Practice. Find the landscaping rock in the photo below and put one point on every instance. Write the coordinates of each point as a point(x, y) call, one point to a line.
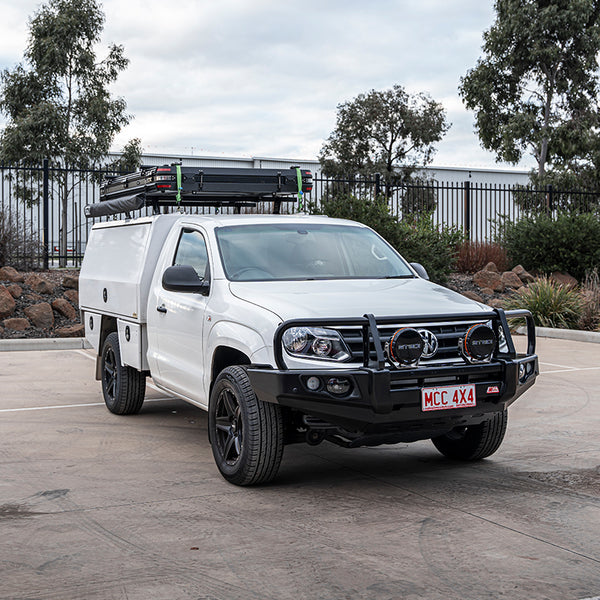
point(7, 303)
point(15, 290)
point(564, 279)
point(40, 284)
point(40, 315)
point(10, 274)
point(73, 296)
point(72, 331)
point(17, 324)
point(491, 266)
point(496, 303)
point(487, 291)
point(473, 296)
point(31, 298)
point(511, 280)
point(64, 308)
point(71, 282)
point(488, 279)
point(524, 275)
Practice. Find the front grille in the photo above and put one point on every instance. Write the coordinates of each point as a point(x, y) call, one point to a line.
point(447, 334)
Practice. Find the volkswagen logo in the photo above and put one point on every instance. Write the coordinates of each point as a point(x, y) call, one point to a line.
point(431, 343)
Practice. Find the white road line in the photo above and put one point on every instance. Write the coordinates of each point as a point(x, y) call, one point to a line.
point(555, 365)
point(570, 370)
point(3, 410)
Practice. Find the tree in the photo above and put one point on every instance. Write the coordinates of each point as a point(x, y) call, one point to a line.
point(389, 132)
point(58, 102)
point(535, 89)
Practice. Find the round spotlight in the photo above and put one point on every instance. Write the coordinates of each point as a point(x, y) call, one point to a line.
point(405, 347)
point(313, 383)
point(339, 386)
point(478, 344)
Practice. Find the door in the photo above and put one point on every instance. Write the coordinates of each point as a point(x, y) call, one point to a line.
point(176, 321)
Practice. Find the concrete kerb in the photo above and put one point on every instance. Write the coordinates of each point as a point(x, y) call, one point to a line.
point(81, 343)
point(44, 344)
point(574, 335)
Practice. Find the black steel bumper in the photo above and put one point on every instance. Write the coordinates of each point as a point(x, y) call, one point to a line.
point(385, 399)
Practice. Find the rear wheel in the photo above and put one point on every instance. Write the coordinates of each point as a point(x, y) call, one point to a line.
point(474, 442)
point(123, 387)
point(246, 434)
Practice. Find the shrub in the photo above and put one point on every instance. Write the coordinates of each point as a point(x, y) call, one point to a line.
point(416, 238)
point(19, 245)
point(568, 243)
point(550, 303)
point(590, 296)
point(474, 256)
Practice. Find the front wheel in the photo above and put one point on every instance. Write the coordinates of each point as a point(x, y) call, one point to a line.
point(474, 442)
point(123, 387)
point(246, 434)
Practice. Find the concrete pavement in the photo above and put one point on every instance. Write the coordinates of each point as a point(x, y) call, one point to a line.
point(95, 506)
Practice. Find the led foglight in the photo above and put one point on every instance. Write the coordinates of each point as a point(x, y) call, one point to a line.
point(405, 347)
point(339, 386)
point(315, 342)
point(478, 344)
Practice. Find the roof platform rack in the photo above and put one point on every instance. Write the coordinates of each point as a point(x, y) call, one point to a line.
point(174, 185)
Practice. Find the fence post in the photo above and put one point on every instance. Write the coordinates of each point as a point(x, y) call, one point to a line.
point(549, 199)
point(467, 209)
point(377, 185)
point(46, 202)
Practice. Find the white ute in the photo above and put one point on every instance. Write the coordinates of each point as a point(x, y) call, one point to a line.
point(289, 328)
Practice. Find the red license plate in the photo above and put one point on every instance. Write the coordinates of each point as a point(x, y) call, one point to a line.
point(448, 396)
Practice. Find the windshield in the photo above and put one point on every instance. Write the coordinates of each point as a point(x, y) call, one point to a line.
point(275, 252)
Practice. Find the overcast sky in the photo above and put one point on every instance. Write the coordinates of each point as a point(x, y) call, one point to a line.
point(264, 77)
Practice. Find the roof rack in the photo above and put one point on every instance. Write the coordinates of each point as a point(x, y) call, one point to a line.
point(174, 185)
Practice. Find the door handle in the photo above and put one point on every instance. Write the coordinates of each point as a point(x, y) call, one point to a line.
point(161, 309)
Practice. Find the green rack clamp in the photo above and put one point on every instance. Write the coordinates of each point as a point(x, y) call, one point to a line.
point(179, 188)
point(300, 192)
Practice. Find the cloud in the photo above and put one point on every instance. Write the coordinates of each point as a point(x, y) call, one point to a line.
point(264, 77)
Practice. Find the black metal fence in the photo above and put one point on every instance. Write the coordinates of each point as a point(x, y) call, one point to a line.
point(36, 232)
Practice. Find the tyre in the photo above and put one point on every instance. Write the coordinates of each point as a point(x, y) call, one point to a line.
point(246, 434)
point(474, 442)
point(123, 387)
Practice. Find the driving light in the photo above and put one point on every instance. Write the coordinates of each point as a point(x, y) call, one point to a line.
point(478, 344)
point(405, 347)
point(316, 343)
point(339, 386)
point(313, 383)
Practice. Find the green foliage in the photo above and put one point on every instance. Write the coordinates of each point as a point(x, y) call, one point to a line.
point(59, 105)
point(551, 304)
point(567, 243)
point(536, 87)
point(131, 157)
point(416, 238)
point(20, 246)
point(388, 132)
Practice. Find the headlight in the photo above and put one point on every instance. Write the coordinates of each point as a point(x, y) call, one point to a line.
point(315, 342)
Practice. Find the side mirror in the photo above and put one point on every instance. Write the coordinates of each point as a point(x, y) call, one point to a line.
point(420, 269)
point(183, 278)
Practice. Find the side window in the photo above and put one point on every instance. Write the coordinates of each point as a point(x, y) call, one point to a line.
point(191, 250)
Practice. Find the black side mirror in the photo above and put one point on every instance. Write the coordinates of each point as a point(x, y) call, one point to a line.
point(420, 269)
point(183, 278)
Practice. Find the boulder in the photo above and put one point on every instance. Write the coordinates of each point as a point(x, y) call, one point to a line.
point(33, 298)
point(524, 275)
point(496, 303)
point(491, 266)
point(10, 274)
point(7, 303)
point(472, 296)
point(15, 290)
point(71, 331)
point(39, 284)
point(563, 279)
point(16, 324)
point(71, 282)
point(487, 291)
point(63, 307)
point(72, 295)
point(511, 280)
point(488, 279)
point(40, 315)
